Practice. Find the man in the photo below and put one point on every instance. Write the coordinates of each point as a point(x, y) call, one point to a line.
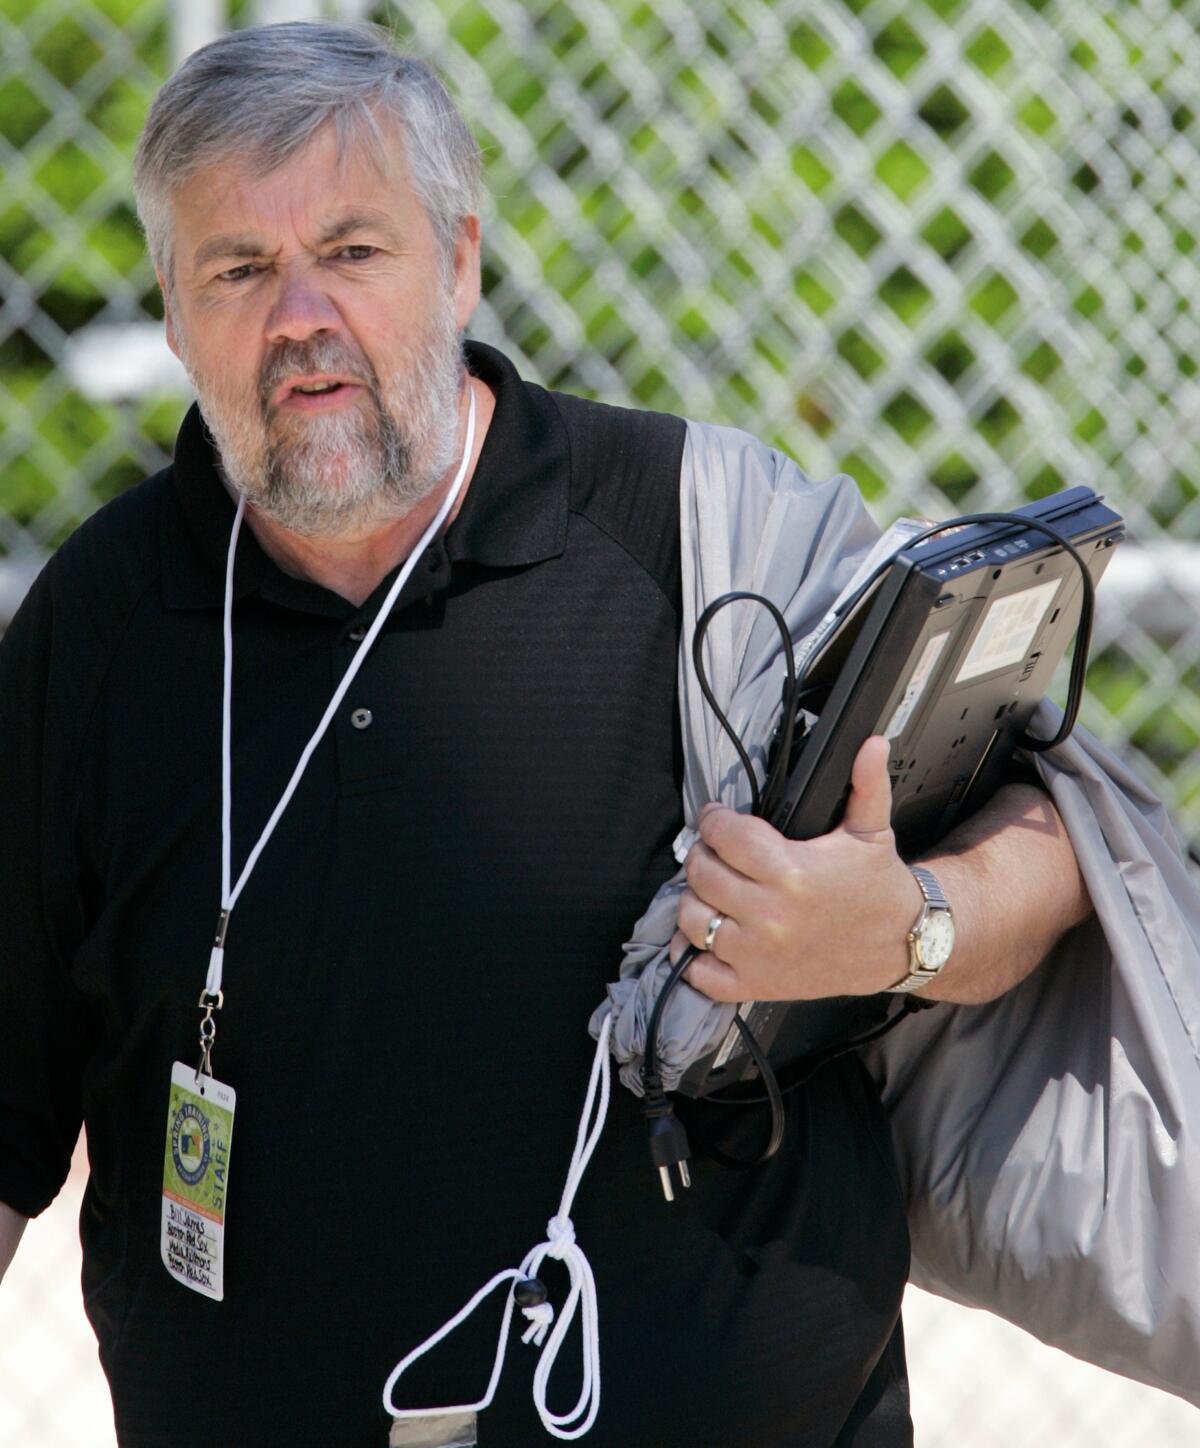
point(409, 971)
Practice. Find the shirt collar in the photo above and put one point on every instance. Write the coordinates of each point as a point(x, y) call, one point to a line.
point(514, 513)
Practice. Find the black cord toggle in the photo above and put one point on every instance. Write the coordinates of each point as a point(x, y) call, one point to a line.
point(530, 1292)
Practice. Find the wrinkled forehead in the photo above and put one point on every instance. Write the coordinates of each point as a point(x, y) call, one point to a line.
point(357, 138)
point(331, 175)
point(351, 146)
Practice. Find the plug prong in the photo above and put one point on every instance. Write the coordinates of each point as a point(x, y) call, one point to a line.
point(664, 1176)
point(685, 1176)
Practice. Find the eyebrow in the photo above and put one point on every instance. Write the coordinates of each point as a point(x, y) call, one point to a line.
point(366, 220)
point(245, 244)
point(223, 246)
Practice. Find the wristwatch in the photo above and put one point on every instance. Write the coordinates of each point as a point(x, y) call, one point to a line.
point(931, 939)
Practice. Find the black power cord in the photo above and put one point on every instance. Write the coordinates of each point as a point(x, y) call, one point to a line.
point(669, 1145)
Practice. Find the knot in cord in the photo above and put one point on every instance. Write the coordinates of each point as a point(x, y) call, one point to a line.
point(560, 1233)
point(540, 1317)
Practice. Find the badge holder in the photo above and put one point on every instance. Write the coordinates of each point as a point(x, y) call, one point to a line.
point(196, 1177)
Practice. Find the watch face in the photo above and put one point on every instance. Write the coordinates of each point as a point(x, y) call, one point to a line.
point(936, 939)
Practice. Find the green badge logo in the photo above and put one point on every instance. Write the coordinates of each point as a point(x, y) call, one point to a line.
point(190, 1149)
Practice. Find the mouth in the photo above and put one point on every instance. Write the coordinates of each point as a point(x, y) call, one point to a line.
point(319, 393)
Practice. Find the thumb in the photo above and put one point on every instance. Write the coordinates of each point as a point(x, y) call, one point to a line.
point(869, 808)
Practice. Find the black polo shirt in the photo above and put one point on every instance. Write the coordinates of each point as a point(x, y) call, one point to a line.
point(408, 974)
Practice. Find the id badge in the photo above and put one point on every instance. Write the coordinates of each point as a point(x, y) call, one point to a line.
point(442, 1430)
point(196, 1180)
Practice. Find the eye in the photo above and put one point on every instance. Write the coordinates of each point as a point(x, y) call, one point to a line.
point(359, 251)
point(237, 273)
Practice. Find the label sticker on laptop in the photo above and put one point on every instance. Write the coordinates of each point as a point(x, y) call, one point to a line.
point(196, 1180)
point(917, 682)
point(1009, 627)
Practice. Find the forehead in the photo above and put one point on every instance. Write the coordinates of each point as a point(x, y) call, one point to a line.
point(297, 202)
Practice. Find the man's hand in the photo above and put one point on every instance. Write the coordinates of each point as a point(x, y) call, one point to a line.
point(12, 1224)
point(801, 918)
point(829, 916)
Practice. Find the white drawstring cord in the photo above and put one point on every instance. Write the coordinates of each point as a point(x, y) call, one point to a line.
point(561, 1245)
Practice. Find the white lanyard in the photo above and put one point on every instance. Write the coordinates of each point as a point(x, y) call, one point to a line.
point(560, 1233)
point(212, 997)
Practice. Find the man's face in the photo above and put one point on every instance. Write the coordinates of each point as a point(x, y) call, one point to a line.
point(312, 275)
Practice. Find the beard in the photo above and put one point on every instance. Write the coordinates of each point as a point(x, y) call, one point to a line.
point(329, 475)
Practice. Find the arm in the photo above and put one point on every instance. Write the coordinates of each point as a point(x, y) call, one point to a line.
point(44, 1040)
point(812, 918)
point(12, 1224)
point(1014, 883)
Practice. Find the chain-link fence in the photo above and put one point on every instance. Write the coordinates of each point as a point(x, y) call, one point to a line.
point(949, 246)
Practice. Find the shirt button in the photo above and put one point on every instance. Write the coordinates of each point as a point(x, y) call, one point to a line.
point(356, 635)
point(362, 718)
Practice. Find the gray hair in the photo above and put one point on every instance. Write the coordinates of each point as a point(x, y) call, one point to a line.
point(259, 95)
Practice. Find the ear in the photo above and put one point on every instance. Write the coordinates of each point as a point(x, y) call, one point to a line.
point(168, 314)
point(467, 283)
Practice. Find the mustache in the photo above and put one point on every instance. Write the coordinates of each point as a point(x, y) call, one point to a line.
point(322, 355)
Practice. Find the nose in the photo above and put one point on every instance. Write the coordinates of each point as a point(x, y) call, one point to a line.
point(302, 308)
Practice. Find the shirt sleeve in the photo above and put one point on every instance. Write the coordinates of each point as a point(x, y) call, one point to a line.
point(43, 1021)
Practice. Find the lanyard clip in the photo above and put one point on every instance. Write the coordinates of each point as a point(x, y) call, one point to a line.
point(209, 1001)
point(212, 997)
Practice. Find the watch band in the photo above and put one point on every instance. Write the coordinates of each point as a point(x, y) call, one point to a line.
point(935, 896)
point(935, 899)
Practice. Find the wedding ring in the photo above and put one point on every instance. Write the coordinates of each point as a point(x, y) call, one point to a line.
point(710, 934)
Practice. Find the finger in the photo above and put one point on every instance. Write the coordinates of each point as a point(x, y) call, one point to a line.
point(679, 943)
point(713, 978)
point(696, 915)
point(723, 887)
point(745, 843)
point(721, 982)
point(869, 808)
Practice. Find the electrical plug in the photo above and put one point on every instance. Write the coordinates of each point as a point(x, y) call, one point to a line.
point(669, 1144)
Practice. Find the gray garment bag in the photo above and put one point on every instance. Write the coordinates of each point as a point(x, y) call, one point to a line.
point(1049, 1142)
